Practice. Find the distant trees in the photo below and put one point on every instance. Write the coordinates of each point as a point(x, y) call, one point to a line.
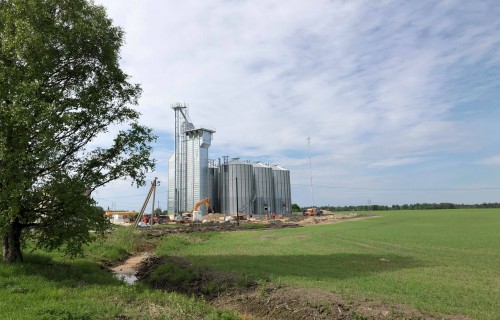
point(416, 206)
point(296, 207)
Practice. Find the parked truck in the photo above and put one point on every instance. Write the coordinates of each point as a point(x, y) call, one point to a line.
point(313, 212)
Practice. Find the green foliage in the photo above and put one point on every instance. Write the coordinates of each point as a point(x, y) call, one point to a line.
point(61, 88)
point(415, 206)
point(116, 245)
point(295, 207)
point(173, 274)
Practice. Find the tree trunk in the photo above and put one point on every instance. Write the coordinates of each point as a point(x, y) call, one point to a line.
point(12, 243)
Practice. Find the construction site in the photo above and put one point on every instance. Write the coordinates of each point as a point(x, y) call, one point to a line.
point(198, 185)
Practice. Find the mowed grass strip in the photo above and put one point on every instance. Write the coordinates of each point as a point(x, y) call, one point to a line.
point(438, 261)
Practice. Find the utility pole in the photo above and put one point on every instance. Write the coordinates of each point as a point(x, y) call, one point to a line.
point(152, 191)
point(153, 204)
point(310, 170)
point(237, 213)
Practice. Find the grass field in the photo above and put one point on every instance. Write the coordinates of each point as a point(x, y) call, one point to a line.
point(50, 286)
point(442, 261)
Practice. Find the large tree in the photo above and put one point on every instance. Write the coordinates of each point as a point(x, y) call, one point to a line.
point(61, 89)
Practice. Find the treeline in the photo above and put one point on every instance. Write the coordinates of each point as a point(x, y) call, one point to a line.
point(416, 206)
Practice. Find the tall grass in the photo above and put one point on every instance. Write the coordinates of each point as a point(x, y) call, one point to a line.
point(442, 261)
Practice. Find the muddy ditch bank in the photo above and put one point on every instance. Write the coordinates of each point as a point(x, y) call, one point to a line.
point(127, 270)
point(263, 299)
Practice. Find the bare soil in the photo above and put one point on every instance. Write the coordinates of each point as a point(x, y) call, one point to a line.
point(331, 218)
point(219, 227)
point(269, 301)
point(258, 224)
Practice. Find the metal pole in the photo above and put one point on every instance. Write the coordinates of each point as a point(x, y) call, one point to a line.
point(310, 170)
point(237, 213)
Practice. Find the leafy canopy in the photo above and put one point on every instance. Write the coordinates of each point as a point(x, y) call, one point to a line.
point(61, 88)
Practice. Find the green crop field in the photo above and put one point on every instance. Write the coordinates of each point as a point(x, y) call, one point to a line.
point(441, 261)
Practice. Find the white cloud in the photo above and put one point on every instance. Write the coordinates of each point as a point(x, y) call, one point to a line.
point(373, 83)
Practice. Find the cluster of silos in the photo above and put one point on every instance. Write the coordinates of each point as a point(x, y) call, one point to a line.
point(231, 185)
point(249, 188)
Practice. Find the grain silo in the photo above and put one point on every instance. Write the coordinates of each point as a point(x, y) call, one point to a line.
point(236, 187)
point(282, 194)
point(171, 203)
point(264, 191)
point(213, 181)
point(188, 165)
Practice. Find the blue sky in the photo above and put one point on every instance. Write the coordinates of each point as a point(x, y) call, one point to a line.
point(401, 99)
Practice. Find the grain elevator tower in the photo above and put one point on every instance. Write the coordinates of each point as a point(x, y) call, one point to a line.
point(188, 165)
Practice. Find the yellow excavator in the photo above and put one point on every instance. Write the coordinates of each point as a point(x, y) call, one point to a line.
point(205, 201)
point(195, 215)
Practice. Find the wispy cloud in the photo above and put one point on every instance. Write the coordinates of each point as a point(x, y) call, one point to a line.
point(396, 162)
point(490, 161)
point(375, 84)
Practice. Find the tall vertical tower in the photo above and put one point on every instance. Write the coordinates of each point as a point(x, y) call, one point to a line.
point(188, 165)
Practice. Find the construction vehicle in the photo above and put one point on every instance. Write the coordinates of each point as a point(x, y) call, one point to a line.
point(122, 213)
point(195, 215)
point(313, 212)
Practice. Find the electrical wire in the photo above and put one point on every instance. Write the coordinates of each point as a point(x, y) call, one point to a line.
point(398, 189)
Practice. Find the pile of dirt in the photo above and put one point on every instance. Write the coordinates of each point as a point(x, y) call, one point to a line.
point(194, 227)
point(290, 303)
point(265, 300)
point(217, 227)
point(213, 217)
point(280, 224)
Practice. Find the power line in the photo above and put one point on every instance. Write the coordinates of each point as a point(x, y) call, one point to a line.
point(130, 195)
point(399, 189)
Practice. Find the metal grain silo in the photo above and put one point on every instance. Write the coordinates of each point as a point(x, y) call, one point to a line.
point(222, 187)
point(282, 194)
point(213, 179)
point(264, 191)
point(171, 202)
point(230, 173)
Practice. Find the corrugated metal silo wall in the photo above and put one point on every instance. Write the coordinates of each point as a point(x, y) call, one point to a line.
point(264, 191)
point(171, 185)
point(222, 187)
point(243, 172)
point(197, 170)
point(191, 176)
point(185, 157)
point(282, 193)
point(213, 192)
